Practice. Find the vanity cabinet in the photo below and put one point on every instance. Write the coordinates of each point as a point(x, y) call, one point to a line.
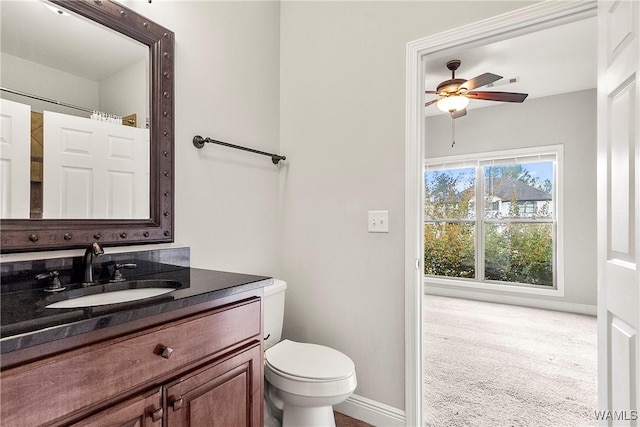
point(220, 395)
point(203, 369)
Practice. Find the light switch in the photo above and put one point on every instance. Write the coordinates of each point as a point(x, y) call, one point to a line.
point(378, 221)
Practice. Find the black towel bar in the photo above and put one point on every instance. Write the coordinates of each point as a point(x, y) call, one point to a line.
point(199, 142)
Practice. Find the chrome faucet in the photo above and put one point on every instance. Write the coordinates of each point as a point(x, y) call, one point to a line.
point(92, 251)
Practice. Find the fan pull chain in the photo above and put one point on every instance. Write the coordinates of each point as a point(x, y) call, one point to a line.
point(453, 131)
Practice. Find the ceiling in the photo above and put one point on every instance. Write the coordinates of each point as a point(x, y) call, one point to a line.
point(32, 31)
point(557, 60)
point(548, 62)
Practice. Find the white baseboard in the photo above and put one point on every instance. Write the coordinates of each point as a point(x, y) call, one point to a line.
point(372, 412)
point(568, 307)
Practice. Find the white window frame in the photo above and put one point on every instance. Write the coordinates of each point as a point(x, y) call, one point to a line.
point(479, 160)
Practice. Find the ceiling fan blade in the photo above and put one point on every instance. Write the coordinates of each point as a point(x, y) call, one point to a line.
point(431, 92)
point(481, 80)
point(498, 96)
point(433, 101)
point(459, 113)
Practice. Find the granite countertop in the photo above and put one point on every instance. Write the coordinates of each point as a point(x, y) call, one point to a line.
point(25, 321)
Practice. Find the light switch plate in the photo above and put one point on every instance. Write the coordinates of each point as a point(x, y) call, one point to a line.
point(378, 221)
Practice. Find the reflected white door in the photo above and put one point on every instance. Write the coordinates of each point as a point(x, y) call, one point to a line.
point(15, 159)
point(618, 212)
point(94, 169)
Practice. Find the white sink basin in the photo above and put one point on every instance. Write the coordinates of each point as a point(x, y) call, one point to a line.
point(110, 298)
point(106, 294)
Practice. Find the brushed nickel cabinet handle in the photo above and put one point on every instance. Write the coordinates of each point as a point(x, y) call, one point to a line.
point(166, 352)
point(157, 415)
point(177, 404)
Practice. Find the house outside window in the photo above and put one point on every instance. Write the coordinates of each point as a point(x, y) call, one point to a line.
point(493, 220)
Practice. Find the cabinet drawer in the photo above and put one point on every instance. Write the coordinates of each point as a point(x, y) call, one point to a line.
point(58, 386)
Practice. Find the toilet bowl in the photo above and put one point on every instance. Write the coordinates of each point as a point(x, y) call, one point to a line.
point(302, 381)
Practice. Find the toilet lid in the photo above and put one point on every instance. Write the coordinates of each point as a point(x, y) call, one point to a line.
point(311, 361)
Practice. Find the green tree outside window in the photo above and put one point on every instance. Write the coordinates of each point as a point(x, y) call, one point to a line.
point(515, 231)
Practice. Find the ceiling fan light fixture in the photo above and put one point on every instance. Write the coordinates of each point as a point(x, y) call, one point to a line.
point(453, 103)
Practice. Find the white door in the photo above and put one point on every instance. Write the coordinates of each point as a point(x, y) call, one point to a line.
point(94, 169)
point(15, 159)
point(618, 212)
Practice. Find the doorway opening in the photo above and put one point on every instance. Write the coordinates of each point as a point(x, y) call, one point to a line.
point(428, 138)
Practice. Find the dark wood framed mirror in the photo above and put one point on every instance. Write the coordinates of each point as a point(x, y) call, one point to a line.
point(22, 235)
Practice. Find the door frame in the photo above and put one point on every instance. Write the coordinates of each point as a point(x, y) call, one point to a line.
point(515, 23)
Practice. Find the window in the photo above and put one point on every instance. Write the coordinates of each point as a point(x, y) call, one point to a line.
point(492, 219)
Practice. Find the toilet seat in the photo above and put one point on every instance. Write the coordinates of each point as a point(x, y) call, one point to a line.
point(309, 361)
point(309, 369)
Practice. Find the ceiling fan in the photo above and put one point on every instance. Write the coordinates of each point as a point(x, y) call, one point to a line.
point(454, 94)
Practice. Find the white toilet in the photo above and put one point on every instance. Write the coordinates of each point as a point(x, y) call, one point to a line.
point(302, 381)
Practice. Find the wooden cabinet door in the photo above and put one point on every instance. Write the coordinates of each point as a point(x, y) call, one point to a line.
point(140, 411)
point(228, 393)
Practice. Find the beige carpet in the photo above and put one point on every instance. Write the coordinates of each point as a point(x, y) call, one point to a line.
point(498, 365)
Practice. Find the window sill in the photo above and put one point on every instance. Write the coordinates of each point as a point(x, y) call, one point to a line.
point(516, 289)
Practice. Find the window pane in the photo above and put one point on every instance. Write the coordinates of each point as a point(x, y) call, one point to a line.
point(449, 249)
point(450, 193)
point(522, 190)
point(519, 252)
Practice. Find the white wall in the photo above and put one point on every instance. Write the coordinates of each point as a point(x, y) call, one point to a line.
point(30, 77)
point(568, 119)
point(121, 93)
point(227, 87)
point(127, 92)
point(342, 125)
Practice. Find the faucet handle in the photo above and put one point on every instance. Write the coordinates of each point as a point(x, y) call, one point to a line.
point(54, 281)
point(47, 275)
point(117, 274)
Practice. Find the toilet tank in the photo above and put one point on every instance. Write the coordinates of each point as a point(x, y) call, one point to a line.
point(273, 312)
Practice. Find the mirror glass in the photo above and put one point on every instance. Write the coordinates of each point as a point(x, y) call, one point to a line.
point(75, 109)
